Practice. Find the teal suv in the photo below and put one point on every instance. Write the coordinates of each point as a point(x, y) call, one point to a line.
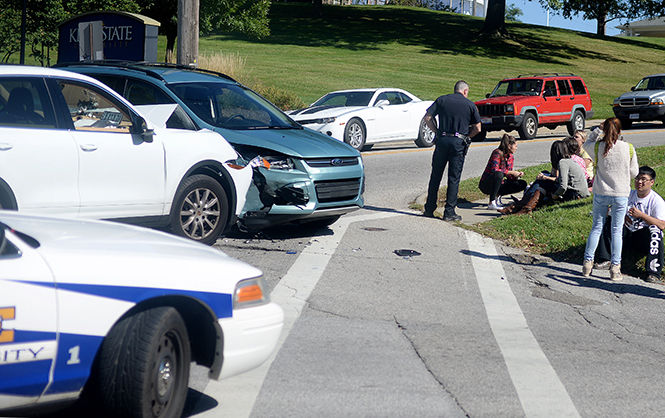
point(298, 174)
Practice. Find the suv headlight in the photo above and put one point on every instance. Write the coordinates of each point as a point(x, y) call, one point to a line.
point(657, 101)
point(273, 163)
point(616, 102)
point(510, 109)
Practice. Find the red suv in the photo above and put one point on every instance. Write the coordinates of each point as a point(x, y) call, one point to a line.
point(528, 101)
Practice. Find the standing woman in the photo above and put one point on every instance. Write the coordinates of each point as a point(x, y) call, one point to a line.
point(499, 178)
point(616, 164)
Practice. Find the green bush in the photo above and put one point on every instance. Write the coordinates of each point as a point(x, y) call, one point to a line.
point(283, 99)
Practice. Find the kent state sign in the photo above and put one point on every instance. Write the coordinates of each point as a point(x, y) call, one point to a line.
point(123, 34)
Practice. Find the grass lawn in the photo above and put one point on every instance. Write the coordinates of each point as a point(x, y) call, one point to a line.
point(426, 51)
point(423, 51)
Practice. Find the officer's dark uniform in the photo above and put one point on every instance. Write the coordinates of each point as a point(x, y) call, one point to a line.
point(456, 113)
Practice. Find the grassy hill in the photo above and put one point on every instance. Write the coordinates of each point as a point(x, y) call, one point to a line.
point(426, 51)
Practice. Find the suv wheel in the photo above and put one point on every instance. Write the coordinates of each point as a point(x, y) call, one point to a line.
point(529, 127)
point(626, 123)
point(200, 209)
point(576, 123)
point(425, 135)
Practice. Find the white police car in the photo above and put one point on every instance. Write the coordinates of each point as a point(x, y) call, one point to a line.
point(121, 311)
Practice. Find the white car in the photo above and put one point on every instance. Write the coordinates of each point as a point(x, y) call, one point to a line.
point(363, 117)
point(115, 313)
point(71, 146)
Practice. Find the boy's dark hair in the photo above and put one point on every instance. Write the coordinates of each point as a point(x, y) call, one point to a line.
point(645, 169)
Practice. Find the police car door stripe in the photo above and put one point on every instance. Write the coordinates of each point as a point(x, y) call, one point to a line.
point(220, 303)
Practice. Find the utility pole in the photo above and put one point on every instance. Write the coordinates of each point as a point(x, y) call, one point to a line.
point(188, 32)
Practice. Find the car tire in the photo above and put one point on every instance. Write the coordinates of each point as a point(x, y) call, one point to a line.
point(143, 365)
point(626, 123)
point(480, 136)
point(426, 137)
point(576, 123)
point(529, 126)
point(355, 133)
point(200, 209)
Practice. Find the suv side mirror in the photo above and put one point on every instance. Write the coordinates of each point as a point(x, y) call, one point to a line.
point(632, 88)
point(487, 95)
point(140, 127)
point(382, 103)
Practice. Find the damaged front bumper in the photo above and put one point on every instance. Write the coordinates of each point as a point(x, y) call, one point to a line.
point(280, 196)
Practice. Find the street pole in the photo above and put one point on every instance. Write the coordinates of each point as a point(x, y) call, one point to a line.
point(188, 32)
point(23, 29)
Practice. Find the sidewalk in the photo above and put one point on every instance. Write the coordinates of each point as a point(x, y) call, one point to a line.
point(471, 212)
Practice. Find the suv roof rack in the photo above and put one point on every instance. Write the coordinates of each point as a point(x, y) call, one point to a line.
point(546, 75)
point(136, 65)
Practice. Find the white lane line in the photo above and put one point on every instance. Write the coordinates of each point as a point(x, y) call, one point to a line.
point(538, 387)
point(238, 394)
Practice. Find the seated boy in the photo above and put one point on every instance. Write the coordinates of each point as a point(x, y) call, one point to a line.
point(642, 228)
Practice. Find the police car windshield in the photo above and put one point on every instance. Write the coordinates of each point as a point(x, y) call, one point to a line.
point(519, 87)
point(651, 83)
point(231, 106)
point(349, 98)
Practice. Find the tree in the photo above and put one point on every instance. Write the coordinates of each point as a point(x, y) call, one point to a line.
point(495, 19)
point(513, 13)
point(249, 17)
point(603, 11)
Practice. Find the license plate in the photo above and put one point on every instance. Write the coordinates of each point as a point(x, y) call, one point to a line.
point(634, 115)
point(485, 120)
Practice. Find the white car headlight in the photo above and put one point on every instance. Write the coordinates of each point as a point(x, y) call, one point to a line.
point(657, 101)
point(325, 121)
point(250, 292)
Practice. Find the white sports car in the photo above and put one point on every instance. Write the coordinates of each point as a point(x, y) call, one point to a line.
point(363, 117)
point(121, 311)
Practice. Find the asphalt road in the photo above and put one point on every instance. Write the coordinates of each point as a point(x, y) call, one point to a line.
point(466, 327)
point(469, 327)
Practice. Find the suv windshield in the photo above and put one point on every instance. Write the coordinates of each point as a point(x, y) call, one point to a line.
point(519, 87)
point(651, 83)
point(349, 98)
point(231, 106)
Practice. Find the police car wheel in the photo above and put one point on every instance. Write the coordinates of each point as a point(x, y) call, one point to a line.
point(200, 209)
point(143, 365)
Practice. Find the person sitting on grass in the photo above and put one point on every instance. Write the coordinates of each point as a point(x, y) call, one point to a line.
point(565, 182)
point(642, 228)
point(499, 178)
point(577, 182)
point(580, 137)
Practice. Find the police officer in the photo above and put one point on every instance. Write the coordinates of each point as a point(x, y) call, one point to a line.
point(459, 121)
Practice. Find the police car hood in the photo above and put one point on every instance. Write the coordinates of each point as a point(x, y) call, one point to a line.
point(92, 248)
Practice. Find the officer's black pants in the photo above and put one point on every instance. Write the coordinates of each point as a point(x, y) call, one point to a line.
point(450, 151)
